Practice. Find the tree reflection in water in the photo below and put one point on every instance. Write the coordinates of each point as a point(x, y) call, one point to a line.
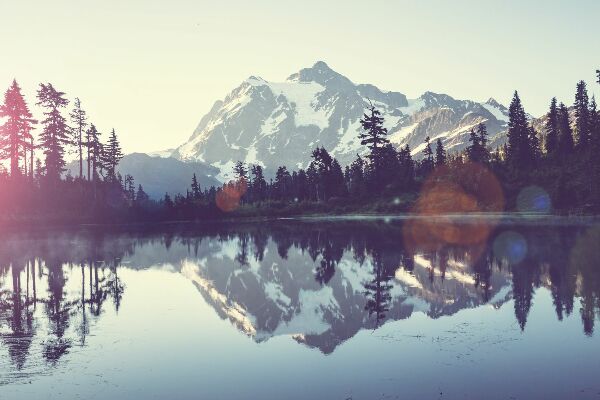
point(340, 277)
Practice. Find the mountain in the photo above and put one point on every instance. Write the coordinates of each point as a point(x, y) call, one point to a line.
point(159, 175)
point(281, 123)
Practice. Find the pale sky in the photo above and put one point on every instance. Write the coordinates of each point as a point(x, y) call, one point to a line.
point(152, 69)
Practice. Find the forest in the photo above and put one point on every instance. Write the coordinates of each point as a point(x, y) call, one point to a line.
point(554, 168)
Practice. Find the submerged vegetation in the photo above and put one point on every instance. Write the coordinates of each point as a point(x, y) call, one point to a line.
point(552, 169)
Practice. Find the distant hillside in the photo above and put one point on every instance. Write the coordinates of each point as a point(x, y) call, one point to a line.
point(159, 175)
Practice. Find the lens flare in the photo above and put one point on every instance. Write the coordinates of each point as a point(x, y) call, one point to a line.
point(510, 246)
point(534, 199)
point(448, 195)
point(228, 198)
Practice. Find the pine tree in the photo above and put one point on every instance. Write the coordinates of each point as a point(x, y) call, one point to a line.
point(168, 202)
point(240, 171)
point(94, 152)
point(112, 155)
point(389, 167)
point(406, 168)
point(477, 150)
point(427, 163)
point(78, 130)
point(196, 192)
point(374, 135)
point(484, 153)
point(565, 134)
point(356, 177)
point(594, 126)
point(473, 149)
point(518, 149)
point(54, 136)
point(335, 180)
point(15, 133)
point(282, 183)
point(440, 153)
point(535, 152)
point(141, 197)
point(129, 188)
point(300, 184)
point(258, 186)
point(39, 170)
point(551, 128)
point(312, 177)
point(582, 120)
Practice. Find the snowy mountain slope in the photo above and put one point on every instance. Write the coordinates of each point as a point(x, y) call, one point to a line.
point(276, 124)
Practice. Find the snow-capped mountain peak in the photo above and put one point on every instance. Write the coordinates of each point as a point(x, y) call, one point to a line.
point(280, 123)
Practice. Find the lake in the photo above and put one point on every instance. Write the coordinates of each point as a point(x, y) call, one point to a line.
point(378, 309)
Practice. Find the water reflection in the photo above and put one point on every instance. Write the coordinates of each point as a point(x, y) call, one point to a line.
point(320, 283)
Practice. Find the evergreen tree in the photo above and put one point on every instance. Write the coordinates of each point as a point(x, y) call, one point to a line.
point(551, 128)
point(535, 152)
point(112, 155)
point(519, 148)
point(335, 180)
point(427, 163)
point(482, 133)
point(594, 126)
point(282, 183)
point(473, 149)
point(477, 150)
point(196, 192)
point(240, 171)
point(594, 176)
point(312, 177)
point(374, 137)
point(300, 184)
point(374, 134)
point(258, 185)
point(168, 202)
point(565, 134)
point(54, 136)
point(78, 130)
point(356, 177)
point(389, 167)
point(321, 164)
point(15, 132)
point(94, 150)
point(406, 168)
point(39, 170)
point(141, 197)
point(440, 153)
point(129, 188)
point(582, 120)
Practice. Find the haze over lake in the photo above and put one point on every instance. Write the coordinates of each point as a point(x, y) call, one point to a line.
point(301, 310)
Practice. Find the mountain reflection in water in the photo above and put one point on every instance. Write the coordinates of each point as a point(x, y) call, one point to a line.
point(318, 282)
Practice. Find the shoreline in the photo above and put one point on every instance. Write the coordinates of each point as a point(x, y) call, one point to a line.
point(503, 218)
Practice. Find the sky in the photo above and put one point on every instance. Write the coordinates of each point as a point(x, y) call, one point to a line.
point(151, 69)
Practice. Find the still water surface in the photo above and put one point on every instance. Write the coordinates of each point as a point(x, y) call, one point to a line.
point(301, 310)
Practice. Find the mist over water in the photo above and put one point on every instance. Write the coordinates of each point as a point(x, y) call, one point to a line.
point(337, 309)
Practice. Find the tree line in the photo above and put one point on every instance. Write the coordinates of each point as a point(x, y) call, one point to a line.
point(34, 184)
point(561, 156)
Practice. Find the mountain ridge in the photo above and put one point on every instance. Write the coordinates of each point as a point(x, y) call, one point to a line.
point(280, 123)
